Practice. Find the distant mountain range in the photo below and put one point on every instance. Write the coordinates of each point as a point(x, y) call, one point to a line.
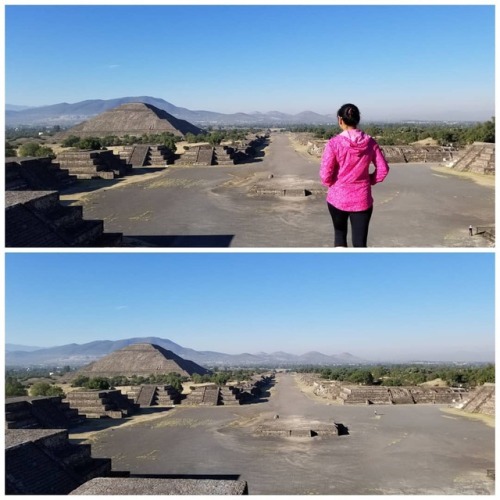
point(82, 354)
point(65, 114)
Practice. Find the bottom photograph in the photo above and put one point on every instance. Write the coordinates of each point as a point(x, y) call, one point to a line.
point(250, 373)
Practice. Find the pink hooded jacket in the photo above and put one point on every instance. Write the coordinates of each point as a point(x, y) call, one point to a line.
point(345, 170)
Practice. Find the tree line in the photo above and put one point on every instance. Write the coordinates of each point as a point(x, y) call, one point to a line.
point(407, 375)
point(17, 381)
point(398, 134)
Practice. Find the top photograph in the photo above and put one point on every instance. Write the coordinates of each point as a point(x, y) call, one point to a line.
point(249, 126)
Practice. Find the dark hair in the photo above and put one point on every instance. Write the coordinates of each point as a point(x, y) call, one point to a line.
point(349, 114)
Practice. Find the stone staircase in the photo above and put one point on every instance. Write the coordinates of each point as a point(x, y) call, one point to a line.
point(229, 396)
point(197, 156)
point(37, 219)
point(36, 174)
point(102, 164)
point(204, 396)
point(482, 400)
point(154, 395)
point(138, 155)
point(44, 462)
point(159, 156)
point(40, 413)
point(478, 158)
point(223, 155)
point(101, 404)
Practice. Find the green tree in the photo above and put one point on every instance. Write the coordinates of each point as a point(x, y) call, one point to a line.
point(10, 150)
point(90, 143)
point(13, 387)
point(46, 389)
point(100, 383)
point(71, 141)
point(80, 381)
point(29, 149)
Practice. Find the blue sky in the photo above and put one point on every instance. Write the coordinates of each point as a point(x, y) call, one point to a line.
point(395, 306)
point(394, 61)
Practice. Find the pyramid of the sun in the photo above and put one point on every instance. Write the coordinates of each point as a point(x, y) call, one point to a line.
point(141, 360)
point(134, 119)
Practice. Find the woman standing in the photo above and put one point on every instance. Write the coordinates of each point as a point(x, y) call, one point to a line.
point(345, 171)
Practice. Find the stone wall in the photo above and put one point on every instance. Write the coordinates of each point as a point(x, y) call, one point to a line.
point(37, 219)
point(101, 404)
point(44, 462)
point(36, 174)
point(40, 413)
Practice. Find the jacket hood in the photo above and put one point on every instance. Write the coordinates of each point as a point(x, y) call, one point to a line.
point(355, 139)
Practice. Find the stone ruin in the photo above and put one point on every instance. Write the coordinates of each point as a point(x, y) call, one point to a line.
point(34, 215)
point(481, 400)
point(297, 428)
point(36, 174)
point(141, 359)
point(40, 459)
point(204, 156)
point(37, 219)
point(479, 158)
point(397, 395)
point(40, 413)
point(101, 404)
point(154, 395)
point(213, 395)
point(133, 119)
point(141, 155)
point(346, 394)
point(103, 164)
point(44, 462)
point(233, 394)
point(158, 486)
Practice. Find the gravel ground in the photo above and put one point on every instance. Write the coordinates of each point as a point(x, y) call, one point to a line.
point(418, 205)
point(403, 449)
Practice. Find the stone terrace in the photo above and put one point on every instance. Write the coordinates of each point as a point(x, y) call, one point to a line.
point(154, 395)
point(37, 219)
point(101, 404)
point(356, 394)
point(43, 462)
point(481, 400)
point(478, 158)
point(208, 395)
point(162, 486)
point(141, 155)
point(40, 413)
point(35, 174)
point(102, 164)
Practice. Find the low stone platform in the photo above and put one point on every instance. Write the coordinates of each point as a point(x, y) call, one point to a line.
point(298, 427)
point(44, 462)
point(36, 174)
point(155, 486)
point(37, 219)
point(40, 413)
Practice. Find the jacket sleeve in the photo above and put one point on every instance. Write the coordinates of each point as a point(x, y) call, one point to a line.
point(328, 165)
point(381, 166)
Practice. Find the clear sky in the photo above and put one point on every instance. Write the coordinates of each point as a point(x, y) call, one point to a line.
point(394, 306)
point(432, 62)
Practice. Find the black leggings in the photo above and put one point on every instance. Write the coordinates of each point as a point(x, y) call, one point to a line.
point(359, 225)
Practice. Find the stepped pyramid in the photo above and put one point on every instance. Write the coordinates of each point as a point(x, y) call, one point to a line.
point(134, 119)
point(141, 360)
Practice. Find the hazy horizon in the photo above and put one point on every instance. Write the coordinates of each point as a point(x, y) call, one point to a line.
point(396, 62)
point(421, 306)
